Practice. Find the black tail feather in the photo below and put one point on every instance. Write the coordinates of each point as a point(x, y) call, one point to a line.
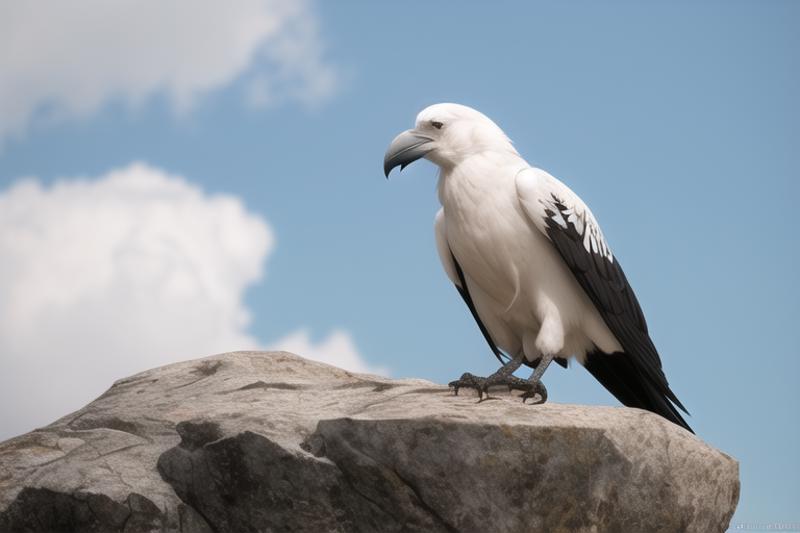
point(617, 372)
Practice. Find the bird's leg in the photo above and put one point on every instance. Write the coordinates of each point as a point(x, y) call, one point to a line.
point(535, 385)
point(503, 376)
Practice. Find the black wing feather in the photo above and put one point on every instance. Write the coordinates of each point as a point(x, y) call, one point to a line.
point(620, 377)
point(635, 376)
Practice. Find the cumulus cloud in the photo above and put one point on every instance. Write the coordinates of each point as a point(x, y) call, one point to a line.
point(62, 60)
point(337, 349)
point(102, 278)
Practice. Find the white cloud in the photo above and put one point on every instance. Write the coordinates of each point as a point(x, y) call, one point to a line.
point(62, 60)
point(103, 278)
point(336, 349)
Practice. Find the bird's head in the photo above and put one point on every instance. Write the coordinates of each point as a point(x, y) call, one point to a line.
point(446, 134)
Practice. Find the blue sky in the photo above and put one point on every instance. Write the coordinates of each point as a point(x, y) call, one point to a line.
point(679, 124)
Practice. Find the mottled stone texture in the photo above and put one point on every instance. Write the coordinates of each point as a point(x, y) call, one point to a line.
point(254, 441)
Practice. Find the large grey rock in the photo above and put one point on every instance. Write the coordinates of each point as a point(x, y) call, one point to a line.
point(254, 441)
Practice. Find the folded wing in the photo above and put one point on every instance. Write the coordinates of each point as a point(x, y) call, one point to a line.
point(634, 376)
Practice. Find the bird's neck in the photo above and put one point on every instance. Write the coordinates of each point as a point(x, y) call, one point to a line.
point(481, 173)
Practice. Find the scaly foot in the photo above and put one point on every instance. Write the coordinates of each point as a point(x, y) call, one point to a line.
point(481, 385)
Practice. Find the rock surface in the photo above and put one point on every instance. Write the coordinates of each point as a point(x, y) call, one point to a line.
point(255, 441)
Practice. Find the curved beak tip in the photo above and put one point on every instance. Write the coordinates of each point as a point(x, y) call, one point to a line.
point(387, 169)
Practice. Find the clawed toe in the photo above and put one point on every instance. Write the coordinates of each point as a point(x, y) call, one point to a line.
point(533, 390)
point(469, 381)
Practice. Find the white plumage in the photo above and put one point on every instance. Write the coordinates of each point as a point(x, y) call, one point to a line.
point(526, 295)
point(530, 260)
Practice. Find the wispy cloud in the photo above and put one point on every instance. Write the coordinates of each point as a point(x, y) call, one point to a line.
point(62, 60)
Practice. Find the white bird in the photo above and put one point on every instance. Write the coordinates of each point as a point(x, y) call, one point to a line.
point(531, 263)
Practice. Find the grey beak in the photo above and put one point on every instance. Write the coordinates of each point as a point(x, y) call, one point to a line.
point(405, 149)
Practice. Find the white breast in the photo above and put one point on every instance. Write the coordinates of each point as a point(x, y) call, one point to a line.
point(514, 274)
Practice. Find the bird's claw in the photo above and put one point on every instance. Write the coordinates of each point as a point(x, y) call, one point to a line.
point(481, 386)
point(533, 390)
point(469, 381)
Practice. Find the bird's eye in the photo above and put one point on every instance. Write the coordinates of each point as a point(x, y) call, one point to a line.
point(436, 124)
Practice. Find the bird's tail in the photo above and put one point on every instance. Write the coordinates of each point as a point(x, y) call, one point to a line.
point(619, 375)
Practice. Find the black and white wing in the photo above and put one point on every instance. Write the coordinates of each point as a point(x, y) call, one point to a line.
point(634, 376)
